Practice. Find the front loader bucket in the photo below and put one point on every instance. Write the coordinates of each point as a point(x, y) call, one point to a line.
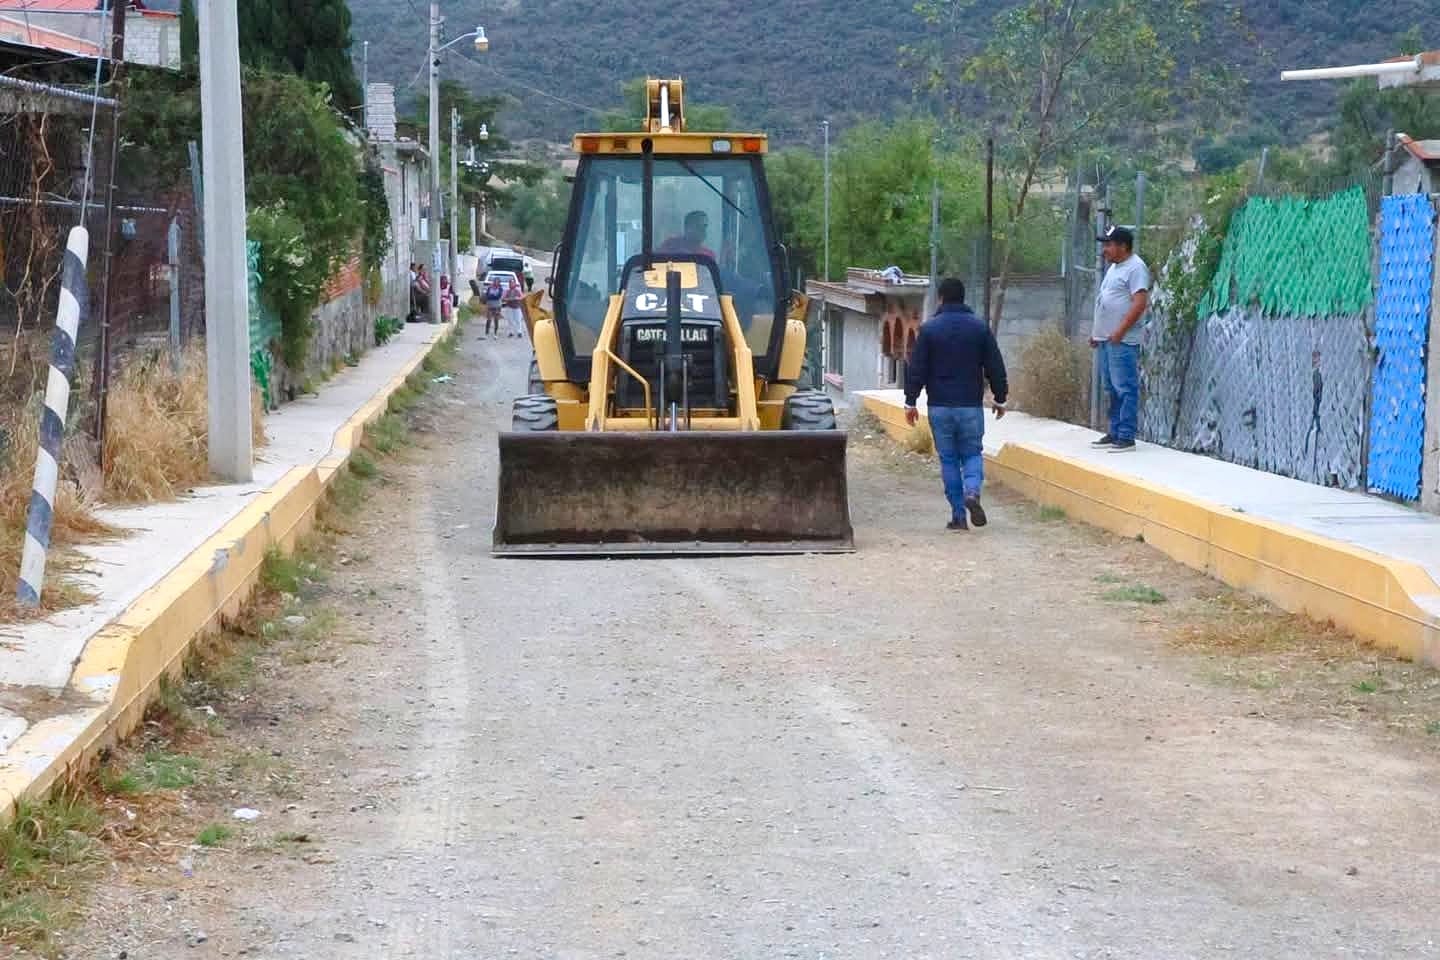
point(649, 493)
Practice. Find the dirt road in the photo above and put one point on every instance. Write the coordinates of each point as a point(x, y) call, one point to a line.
point(942, 746)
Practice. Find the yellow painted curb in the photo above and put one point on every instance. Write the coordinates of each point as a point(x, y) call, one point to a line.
point(1377, 598)
point(120, 668)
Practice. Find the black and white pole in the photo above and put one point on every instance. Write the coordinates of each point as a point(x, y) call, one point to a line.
point(52, 420)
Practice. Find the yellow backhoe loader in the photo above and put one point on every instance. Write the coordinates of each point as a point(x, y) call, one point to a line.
point(664, 413)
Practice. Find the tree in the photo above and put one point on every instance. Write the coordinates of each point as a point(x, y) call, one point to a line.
point(882, 176)
point(1059, 78)
point(797, 183)
point(630, 116)
point(537, 211)
point(481, 181)
point(1368, 114)
point(310, 38)
point(189, 36)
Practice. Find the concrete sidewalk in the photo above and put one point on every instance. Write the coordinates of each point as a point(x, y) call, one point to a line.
point(47, 708)
point(1369, 564)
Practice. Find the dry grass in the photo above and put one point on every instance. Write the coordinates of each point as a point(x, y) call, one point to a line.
point(1241, 624)
point(155, 448)
point(73, 522)
point(156, 432)
point(1051, 381)
point(919, 439)
point(1308, 667)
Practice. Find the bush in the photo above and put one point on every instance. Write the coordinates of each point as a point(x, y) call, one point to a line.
point(1050, 382)
point(314, 201)
point(385, 328)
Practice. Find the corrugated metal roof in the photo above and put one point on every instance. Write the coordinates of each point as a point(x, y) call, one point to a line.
point(87, 6)
point(1426, 150)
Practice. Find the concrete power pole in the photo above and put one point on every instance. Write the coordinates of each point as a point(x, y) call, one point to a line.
point(436, 203)
point(227, 290)
point(455, 198)
point(932, 295)
point(365, 88)
point(825, 124)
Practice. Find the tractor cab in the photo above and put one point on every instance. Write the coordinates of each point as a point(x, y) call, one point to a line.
point(646, 199)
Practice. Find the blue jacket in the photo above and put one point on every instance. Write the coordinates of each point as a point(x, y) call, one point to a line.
point(954, 356)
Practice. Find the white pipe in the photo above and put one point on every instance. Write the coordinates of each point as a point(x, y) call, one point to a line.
point(1358, 70)
point(664, 107)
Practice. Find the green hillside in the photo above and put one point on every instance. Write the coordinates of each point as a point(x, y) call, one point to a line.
point(784, 65)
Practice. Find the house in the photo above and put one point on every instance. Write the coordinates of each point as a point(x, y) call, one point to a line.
point(1416, 165)
point(869, 323)
point(82, 28)
point(406, 166)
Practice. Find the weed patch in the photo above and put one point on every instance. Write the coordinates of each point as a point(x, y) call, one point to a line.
point(157, 769)
point(1134, 593)
point(214, 835)
point(388, 434)
point(45, 852)
point(363, 466)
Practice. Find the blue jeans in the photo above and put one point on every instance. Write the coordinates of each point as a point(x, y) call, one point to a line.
point(1120, 369)
point(958, 434)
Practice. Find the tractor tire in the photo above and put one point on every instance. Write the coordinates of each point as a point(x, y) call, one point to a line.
point(537, 386)
point(809, 410)
point(535, 414)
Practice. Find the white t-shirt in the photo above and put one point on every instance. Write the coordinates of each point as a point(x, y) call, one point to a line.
point(1114, 296)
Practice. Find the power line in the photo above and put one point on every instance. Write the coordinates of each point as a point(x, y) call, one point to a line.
point(532, 89)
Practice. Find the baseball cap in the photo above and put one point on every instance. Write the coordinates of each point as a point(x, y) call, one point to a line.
point(1118, 235)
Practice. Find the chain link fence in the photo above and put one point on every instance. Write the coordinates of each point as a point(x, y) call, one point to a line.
point(144, 277)
point(1276, 372)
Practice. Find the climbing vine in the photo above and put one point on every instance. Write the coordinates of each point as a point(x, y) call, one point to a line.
point(1190, 269)
point(314, 202)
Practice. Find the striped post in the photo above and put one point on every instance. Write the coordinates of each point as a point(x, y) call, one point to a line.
point(52, 419)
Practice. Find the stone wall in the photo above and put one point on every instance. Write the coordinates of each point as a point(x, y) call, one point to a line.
point(343, 329)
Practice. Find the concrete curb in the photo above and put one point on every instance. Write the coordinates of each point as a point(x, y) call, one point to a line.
point(121, 666)
point(1393, 604)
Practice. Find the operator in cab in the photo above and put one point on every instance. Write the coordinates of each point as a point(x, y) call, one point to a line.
point(697, 227)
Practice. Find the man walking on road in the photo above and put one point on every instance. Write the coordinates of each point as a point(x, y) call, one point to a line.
point(954, 356)
point(1121, 299)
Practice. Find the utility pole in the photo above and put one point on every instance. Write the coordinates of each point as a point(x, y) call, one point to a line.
point(365, 88)
point(118, 10)
point(932, 295)
point(436, 203)
point(989, 226)
point(455, 197)
point(1139, 209)
point(227, 291)
point(825, 124)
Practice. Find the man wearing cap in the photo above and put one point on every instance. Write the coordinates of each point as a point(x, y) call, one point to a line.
point(1121, 299)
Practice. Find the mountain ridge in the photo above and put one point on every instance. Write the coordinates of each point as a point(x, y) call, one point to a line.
point(784, 66)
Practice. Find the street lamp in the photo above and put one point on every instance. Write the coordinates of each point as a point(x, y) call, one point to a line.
point(482, 44)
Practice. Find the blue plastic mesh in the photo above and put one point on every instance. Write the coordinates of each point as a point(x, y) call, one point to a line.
point(1402, 324)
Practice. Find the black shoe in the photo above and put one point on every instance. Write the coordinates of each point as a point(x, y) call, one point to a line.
point(1105, 441)
point(959, 524)
point(1122, 446)
point(977, 512)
